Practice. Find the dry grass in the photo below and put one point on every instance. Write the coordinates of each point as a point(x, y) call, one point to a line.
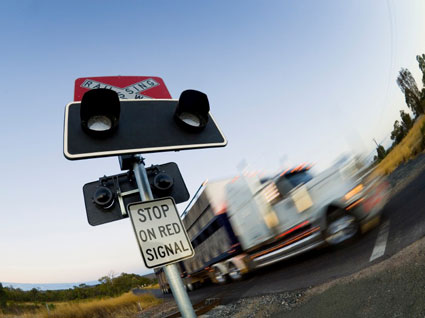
point(124, 306)
point(408, 148)
point(25, 315)
point(23, 309)
point(155, 286)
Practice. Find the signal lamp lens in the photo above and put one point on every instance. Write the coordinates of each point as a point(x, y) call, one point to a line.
point(190, 119)
point(192, 110)
point(99, 123)
point(100, 112)
point(103, 198)
point(163, 182)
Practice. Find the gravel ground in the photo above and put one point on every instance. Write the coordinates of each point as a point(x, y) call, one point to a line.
point(258, 307)
point(405, 173)
point(253, 307)
point(167, 307)
point(392, 288)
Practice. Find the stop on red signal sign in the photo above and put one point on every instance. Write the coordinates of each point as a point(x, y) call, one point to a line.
point(127, 87)
point(160, 232)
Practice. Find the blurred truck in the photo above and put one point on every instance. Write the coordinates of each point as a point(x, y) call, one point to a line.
point(243, 223)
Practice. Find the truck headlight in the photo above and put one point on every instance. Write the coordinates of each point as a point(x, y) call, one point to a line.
point(356, 190)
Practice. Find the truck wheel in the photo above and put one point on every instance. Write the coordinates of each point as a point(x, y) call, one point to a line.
point(219, 276)
point(234, 272)
point(341, 227)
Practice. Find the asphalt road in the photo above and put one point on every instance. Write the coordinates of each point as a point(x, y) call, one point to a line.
point(403, 223)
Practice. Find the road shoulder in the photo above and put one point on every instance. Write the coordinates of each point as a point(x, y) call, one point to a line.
point(394, 287)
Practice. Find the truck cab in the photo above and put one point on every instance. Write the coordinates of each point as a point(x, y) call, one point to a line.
point(294, 211)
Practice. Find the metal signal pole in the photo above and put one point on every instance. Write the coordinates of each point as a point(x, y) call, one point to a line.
point(172, 273)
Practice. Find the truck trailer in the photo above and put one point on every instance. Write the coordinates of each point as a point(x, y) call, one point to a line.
point(239, 224)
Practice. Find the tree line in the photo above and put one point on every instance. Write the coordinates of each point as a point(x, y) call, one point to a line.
point(108, 286)
point(415, 101)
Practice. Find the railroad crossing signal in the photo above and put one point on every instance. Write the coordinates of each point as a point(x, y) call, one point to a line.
point(142, 126)
point(106, 199)
point(113, 116)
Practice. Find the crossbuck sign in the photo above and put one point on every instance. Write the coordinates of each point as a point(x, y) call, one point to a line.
point(160, 233)
point(127, 87)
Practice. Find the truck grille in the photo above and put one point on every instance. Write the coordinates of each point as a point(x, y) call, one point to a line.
point(292, 236)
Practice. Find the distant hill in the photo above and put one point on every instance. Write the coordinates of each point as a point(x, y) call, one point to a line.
point(55, 286)
point(150, 276)
point(58, 286)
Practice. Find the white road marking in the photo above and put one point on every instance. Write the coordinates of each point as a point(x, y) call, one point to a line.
point(381, 241)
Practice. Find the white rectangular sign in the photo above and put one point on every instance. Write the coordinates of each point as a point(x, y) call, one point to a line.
point(160, 233)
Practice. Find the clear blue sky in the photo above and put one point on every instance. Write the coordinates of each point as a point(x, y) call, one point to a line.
point(288, 82)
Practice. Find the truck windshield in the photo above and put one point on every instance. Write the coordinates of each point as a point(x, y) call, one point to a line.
point(299, 177)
